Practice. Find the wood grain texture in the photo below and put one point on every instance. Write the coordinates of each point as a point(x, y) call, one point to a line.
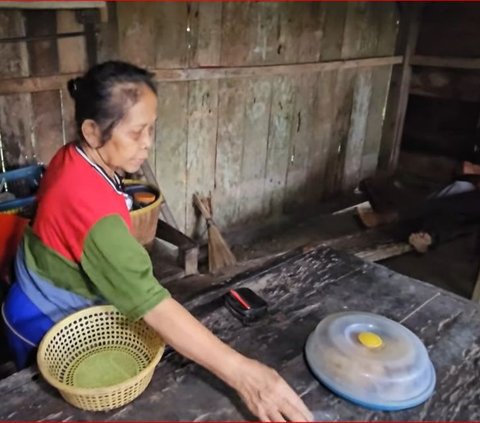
point(251, 189)
point(279, 143)
point(301, 290)
point(386, 14)
point(46, 106)
point(72, 54)
point(154, 34)
point(303, 137)
point(206, 34)
point(333, 29)
point(360, 39)
point(72, 58)
point(201, 147)
point(47, 83)
point(171, 147)
point(108, 37)
point(15, 109)
point(398, 95)
point(324, 145)
point(137, 32)
point(229, 150)
point(235, 33)
point(172, 39)
point(297, 118)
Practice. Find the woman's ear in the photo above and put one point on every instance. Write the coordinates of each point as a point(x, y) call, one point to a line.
point(91, 133)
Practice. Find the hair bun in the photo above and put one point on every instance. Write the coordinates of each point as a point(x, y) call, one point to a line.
point(74, 86)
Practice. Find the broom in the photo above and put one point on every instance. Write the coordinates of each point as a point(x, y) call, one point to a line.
point(219, 253)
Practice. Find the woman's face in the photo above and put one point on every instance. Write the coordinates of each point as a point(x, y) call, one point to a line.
point(132, 137)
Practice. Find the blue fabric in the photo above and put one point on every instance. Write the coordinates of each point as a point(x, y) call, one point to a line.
point(54, 302)
point(25, 326)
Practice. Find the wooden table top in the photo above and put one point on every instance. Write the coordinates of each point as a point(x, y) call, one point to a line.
point(300, 290)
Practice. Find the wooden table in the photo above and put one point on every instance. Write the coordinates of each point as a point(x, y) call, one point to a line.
point(301, 291)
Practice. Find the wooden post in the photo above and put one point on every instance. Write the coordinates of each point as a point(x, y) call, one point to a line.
point(399, 87)
point(476, 290)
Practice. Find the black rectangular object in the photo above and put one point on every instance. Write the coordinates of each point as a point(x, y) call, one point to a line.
point(245, 305)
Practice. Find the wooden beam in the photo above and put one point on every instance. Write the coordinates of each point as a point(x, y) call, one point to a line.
point(56, 82)
point(446, 62)
point(51, 4)
point(399, 91)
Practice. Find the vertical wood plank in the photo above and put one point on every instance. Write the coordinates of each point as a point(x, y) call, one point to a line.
point(154, 34)
point(206, 28)
point(399, 92)
point(235, 33)
point(15, 110)
point(257, 113)
point(72, 56)
point(172, 39)
point(344, 94)
point(46, 106)
point(279, 143)
point(265, 34)
point(333, 29)
point(171, 146)
point(303, 140)
point(137, 32)
point(312, 31)
point(344, 91)
point(386, 15)
point(365, 32)
point(228, 168)
point(108, 36)
point(289, 30)
point(324, 146)
point(357, 131)
point(333, 35)
point(202, 133)
point(300, 32)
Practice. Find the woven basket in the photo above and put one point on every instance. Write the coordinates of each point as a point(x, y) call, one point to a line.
point(98, 359)
point(144, 220)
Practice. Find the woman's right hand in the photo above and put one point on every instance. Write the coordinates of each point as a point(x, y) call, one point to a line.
point(266, 393)
point(262, 389)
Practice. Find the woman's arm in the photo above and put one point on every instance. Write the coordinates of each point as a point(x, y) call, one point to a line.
point(264, 392)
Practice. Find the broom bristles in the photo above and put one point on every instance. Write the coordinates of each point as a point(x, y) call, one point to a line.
point(219, 253)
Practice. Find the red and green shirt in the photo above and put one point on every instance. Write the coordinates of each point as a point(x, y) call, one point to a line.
point(79, 250)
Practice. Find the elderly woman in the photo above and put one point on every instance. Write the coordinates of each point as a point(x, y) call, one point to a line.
point(79, 250)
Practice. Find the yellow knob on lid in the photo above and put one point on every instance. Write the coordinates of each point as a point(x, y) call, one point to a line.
point(370, 340)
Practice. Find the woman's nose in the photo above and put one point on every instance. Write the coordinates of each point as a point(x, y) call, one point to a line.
point(147, 140)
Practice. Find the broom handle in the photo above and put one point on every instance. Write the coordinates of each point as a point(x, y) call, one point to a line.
point(205, 213)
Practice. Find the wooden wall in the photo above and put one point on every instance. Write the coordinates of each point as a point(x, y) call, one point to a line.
point(272, 139)
point(443, 116)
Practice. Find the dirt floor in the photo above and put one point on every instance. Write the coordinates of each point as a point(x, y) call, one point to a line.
point(452, 266)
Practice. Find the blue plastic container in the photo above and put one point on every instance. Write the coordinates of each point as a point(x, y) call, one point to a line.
point(27, 179)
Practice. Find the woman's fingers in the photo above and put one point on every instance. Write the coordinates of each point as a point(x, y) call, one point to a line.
point(276, 416)
point(292, 407)
point(268, 396)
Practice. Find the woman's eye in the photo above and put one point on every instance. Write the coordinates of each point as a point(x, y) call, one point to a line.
point(136, 134)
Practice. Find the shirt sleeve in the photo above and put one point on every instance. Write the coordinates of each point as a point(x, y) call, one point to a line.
point(121, 268)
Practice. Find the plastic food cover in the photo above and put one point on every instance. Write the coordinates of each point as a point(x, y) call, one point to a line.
point(370, 360)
